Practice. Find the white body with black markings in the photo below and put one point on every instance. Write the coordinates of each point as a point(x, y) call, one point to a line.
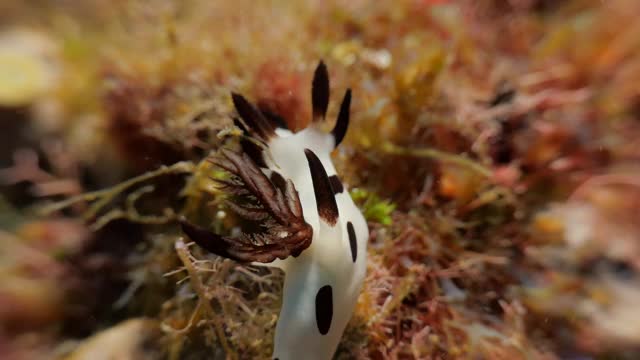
point(321, 236)
point(323, 283)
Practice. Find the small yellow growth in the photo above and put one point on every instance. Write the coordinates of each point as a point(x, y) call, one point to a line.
point(548, 224)
point(417, 80)
point(458, 183)
point(28, 66)
point(23, 77)
point(550, 227)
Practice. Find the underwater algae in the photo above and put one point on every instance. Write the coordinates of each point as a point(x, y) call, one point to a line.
point(492, 149)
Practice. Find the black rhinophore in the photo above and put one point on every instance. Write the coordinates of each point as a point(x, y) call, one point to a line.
point(320, 92)
point(342, 124)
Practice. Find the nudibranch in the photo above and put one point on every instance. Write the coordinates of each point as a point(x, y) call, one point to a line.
point(311, 228)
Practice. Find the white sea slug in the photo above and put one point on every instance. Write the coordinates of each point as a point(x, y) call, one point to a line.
point(311, 228)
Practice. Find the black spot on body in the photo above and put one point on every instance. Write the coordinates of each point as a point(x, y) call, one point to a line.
point(324, 309)
point(325, 199)
point(336, 184)
point(352, 241)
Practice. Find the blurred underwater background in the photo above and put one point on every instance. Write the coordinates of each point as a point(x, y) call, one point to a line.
point(494, 148)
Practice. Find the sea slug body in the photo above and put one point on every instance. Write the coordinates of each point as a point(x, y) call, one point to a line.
point(315, 232)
